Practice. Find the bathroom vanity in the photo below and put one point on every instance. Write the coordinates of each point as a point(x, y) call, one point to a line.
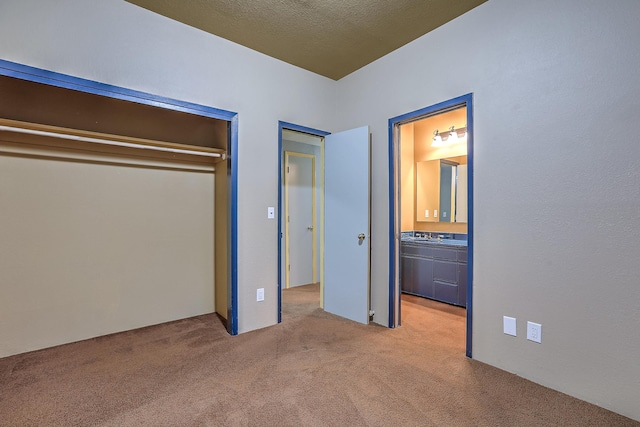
point(434, 268)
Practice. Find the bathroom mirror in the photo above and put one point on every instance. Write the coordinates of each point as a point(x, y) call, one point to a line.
point(441, 190)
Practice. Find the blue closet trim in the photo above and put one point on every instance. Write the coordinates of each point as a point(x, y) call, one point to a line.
point(25, 72)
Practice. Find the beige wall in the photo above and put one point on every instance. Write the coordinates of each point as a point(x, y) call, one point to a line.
point(556, 239)
point(93, 243)
point(442, 227)
point(548, 88)
point(407, 178)
point(115, 42)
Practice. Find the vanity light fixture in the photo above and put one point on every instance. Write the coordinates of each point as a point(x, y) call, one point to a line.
point(437, 139)
point(450, 137)
point(453, 136)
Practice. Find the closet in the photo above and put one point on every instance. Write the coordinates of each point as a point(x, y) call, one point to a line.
point(113, 214)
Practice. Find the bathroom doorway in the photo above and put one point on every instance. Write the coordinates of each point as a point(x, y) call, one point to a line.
point(431, 209)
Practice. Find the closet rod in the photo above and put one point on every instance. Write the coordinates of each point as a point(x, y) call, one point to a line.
point(109, 142)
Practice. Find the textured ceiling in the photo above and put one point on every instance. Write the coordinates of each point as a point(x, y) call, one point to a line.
point(332, 38)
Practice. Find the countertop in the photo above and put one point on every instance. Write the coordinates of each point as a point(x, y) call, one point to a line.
point(436, 242)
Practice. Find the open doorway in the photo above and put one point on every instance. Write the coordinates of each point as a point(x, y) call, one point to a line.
point(300, 202)
point(431, 215)
point(300, 218)
point(344, 202)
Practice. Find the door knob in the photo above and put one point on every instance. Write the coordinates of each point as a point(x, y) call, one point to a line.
point(310, 227)
point(361, 236)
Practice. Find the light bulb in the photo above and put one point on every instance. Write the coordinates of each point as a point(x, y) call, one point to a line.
point(453, 137)
point(437, 139)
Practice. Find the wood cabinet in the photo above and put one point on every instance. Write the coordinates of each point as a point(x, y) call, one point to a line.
point(434, 270)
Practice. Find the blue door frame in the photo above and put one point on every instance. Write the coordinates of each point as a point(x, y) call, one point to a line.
point(289, 126)
point(24, 72)
point(394, 123)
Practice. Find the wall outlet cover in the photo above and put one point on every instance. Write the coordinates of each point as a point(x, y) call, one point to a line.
point(509, 325)
point(534, 332)
point(260, 294)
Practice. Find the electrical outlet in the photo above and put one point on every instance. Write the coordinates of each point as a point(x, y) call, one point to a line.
point(534, 332)
point(260, 294)
point(426, 213)
point(271, 213)
point(509, 325)
point(435, 213)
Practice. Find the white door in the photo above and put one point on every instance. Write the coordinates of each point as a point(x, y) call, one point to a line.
point(300, 266)
point(346, 224)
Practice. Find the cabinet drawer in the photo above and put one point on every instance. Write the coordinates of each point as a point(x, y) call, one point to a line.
point(449, 254)
point(447, 292)
point(445, 271)
point(422, 251)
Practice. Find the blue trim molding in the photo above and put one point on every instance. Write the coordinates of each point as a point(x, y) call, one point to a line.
point(464, 100)
point(279, 239)
point(470, 223)
point(38, 75)
point(392, 228)
point(232, 326)
point(303, 129)
point(25, 72)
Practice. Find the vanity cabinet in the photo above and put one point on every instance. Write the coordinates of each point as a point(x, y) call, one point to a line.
point(416, 262)
point(434, 270)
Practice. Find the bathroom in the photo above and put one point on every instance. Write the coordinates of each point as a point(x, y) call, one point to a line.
point(433, 207)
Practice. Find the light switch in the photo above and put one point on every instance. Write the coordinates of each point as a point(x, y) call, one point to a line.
point(435, 213)
point(271, 213)
point(426, 213)
point(509, 325)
